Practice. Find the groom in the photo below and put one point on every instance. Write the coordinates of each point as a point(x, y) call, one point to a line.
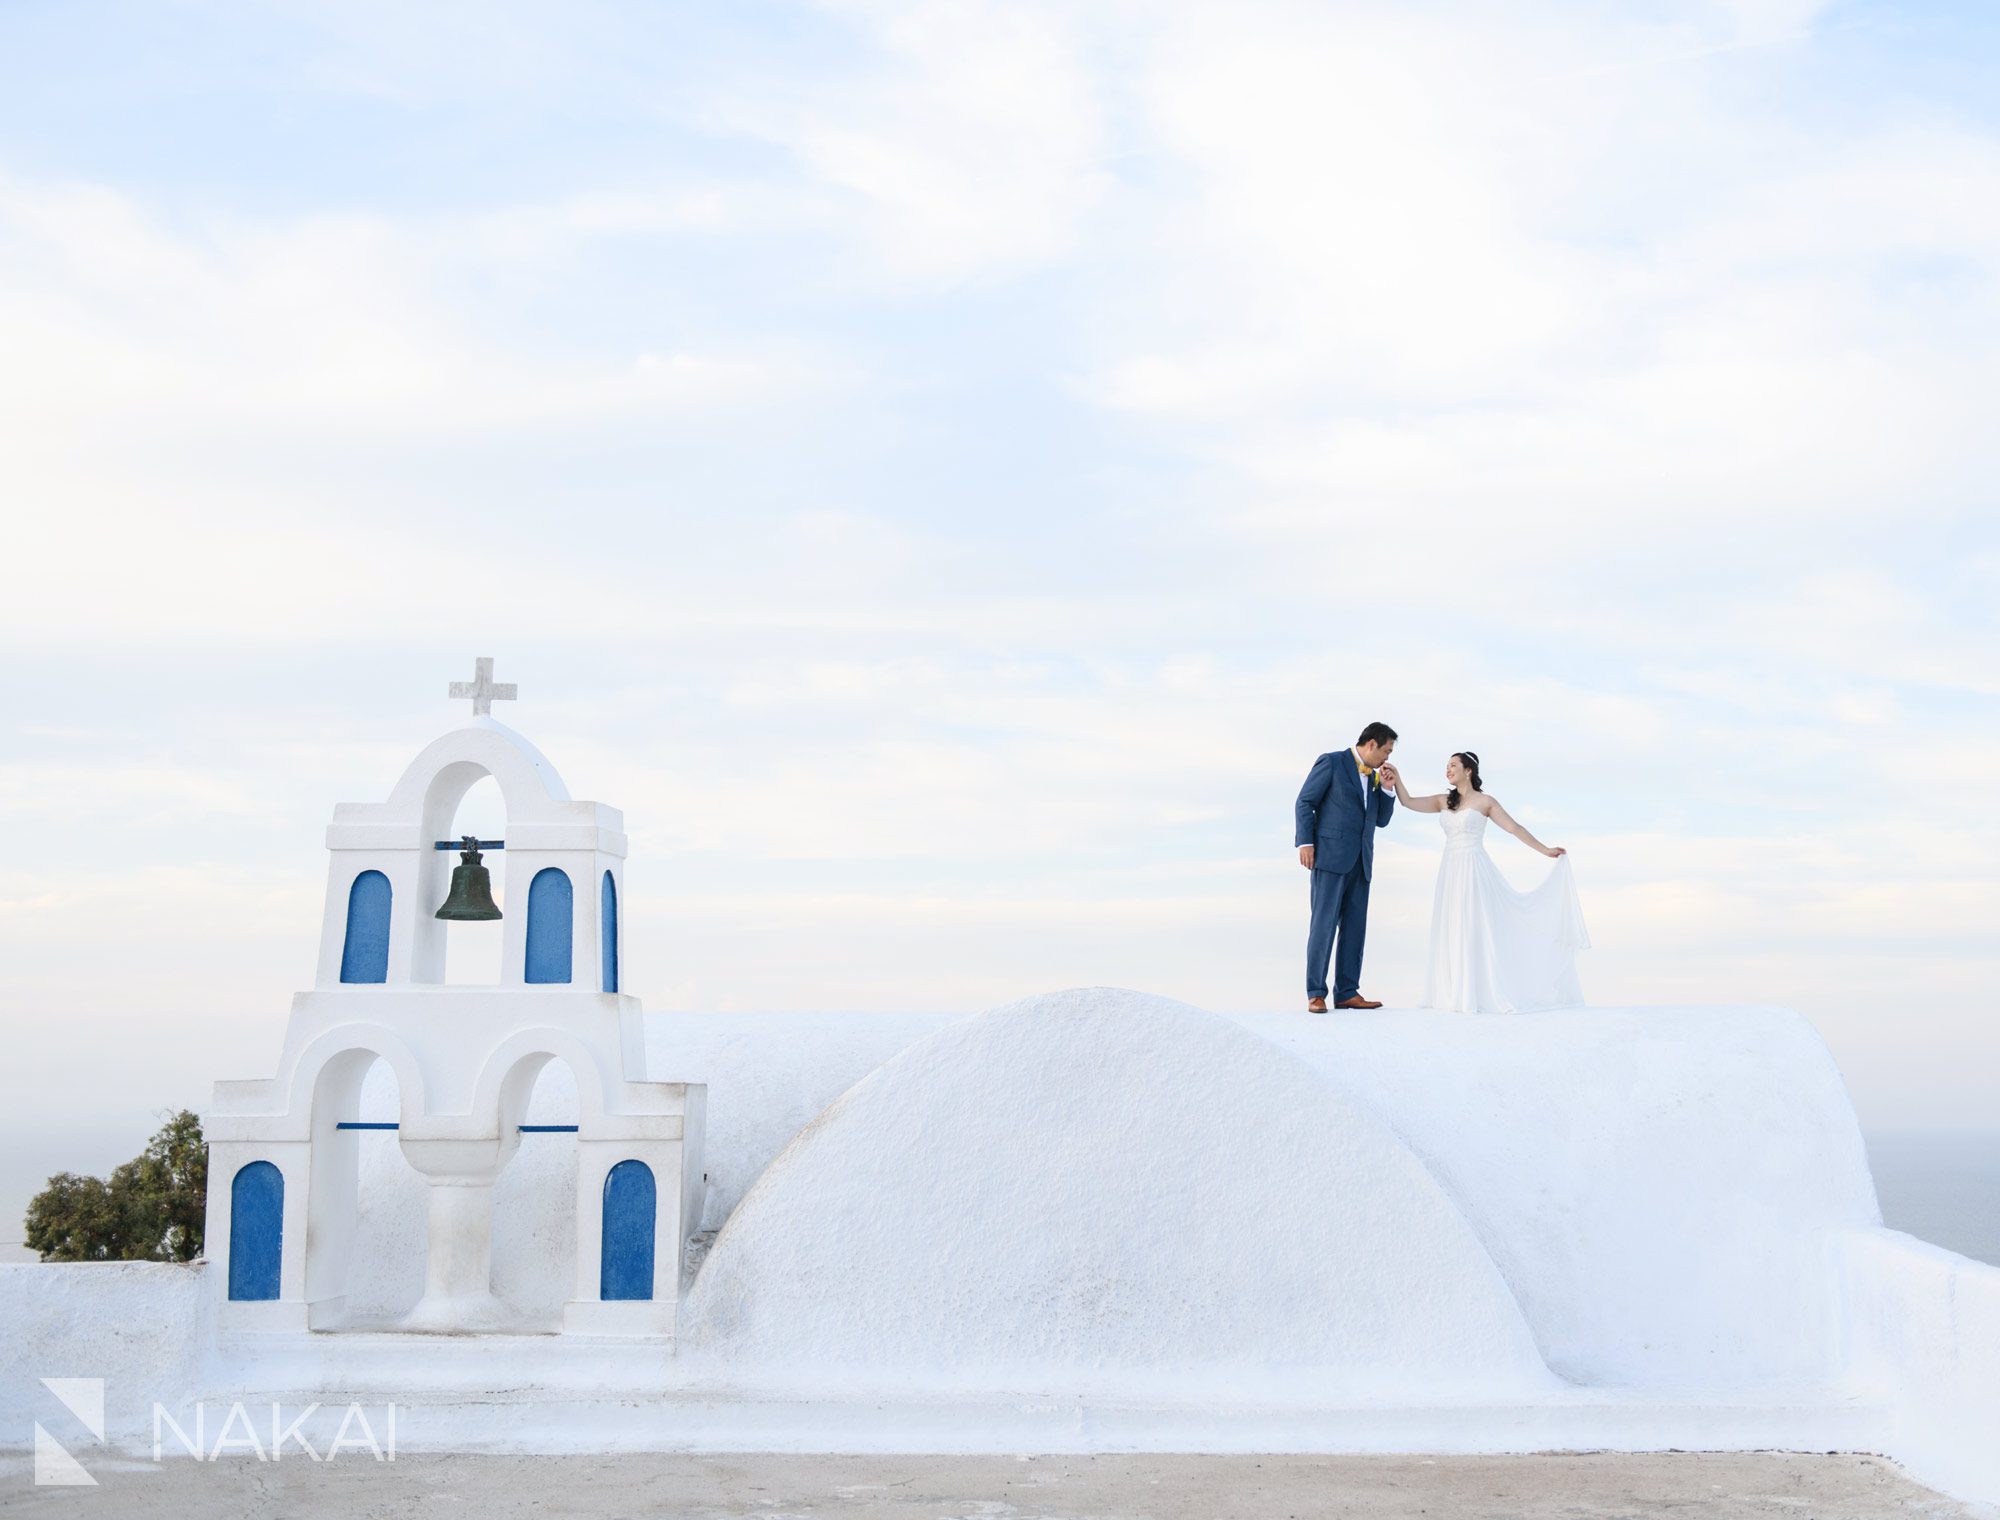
point(1342, 804)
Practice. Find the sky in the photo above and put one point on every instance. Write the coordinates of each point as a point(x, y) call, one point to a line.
point(945, 469)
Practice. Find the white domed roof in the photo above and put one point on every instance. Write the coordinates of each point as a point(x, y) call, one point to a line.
point(1113, 1186)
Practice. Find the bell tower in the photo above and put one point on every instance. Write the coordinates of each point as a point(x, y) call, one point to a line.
point(398, 856)
point(281, 1206)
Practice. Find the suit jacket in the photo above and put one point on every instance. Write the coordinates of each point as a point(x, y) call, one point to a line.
point(1330, 817)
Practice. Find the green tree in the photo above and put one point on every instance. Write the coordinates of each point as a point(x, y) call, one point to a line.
point(150, 1210)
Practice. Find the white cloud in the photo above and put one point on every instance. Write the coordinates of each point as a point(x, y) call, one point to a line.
point(113, 319)
point(946, 473)
point(968, 144)
point(1391, 285)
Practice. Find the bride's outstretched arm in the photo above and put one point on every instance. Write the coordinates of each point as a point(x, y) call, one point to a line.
point(1430, 804)
point(1506, 821)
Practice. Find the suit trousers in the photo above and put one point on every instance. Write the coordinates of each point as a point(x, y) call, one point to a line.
point(1339, 906)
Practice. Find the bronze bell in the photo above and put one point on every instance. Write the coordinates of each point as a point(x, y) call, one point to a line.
point(471, 896)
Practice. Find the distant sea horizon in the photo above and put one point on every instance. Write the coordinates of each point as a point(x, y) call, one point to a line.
point(1942, 1186)
point(1938, 1185)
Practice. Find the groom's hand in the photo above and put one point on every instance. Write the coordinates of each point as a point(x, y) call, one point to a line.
point(1387, 775)
point(1306, 856)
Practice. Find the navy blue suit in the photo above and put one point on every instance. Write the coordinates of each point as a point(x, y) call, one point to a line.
point(1339, 819)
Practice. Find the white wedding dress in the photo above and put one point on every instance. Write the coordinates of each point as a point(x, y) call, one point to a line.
point(1493, 949)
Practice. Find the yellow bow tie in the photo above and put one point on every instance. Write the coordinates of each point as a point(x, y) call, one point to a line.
point(1364, 770)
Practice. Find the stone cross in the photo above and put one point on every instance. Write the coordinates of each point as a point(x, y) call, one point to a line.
point(482, 688)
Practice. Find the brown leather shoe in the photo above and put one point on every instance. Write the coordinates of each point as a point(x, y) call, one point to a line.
point(1316, 1005)
point(1358, 1001)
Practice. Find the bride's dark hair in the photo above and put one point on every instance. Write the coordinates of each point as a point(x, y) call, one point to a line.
point(1470, 761)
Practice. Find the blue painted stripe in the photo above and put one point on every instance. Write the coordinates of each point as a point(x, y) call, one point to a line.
point(459, 844)
point(526, 1129)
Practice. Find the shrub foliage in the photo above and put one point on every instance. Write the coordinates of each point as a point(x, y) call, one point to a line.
point(151, 1209)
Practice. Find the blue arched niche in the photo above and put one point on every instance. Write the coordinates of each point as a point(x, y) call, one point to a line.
point(551, 919)
point(364, 956)
point(625, 1265)
point(607, 928)
point(256, 1230)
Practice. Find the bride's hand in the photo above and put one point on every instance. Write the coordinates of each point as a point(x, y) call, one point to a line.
point(1555, 852)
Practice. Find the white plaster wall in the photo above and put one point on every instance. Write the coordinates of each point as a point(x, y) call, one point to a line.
point(768, 1077)
point(1922, 1328)
point(1655, 1183)
point(385, 1270)
point(534, 1206)
point(140, 1325)
point(1111, 1188)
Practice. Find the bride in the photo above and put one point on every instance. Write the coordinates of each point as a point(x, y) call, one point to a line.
point(1495, 950)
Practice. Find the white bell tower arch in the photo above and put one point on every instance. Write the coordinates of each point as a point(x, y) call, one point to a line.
point(465, 1058)
point(407, 841)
